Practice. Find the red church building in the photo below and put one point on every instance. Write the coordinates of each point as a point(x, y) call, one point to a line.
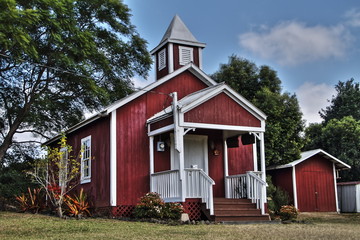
point(185, 136)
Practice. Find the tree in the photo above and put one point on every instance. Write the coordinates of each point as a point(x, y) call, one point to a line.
point(340, 138)
point(262, 87)
point(60, 58)
point(345, 103)
point(57, 173)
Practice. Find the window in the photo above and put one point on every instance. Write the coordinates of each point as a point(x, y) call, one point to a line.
point(162, 59)
point(186, 55)
point(86, 160)
point(63, 167)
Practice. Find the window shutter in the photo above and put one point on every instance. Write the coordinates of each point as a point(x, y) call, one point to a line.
point(186, 55)
point(162, 59)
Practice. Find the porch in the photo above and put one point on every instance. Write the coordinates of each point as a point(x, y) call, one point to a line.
point(187, 125)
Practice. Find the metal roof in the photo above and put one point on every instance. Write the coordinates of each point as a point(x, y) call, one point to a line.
point(306, 155)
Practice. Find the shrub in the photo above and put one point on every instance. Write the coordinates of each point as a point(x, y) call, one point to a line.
point(288, 212)
point(33, 201)
point(277, 197)
point(78, 205)
point(152, 206)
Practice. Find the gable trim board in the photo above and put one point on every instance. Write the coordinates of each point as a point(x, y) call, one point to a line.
point(335, 164)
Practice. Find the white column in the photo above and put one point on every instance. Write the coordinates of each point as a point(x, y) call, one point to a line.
point(263, 167)
point(200, 58)
point(336, 194)
point(113, 159)
point(171, 57)
point(226, 169)
point(294, 186)
point(151, 153)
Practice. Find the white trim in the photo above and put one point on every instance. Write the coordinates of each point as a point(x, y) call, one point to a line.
point(294, 187)
point(226, 170)
point(308, 154)
point(171, 57)
point(191, 67)
point(85, 179)
point(255, 159)
point(161, 57)
point(151, 153)
point(193, 44)
point(335, 187)
point(200, 58)
point(113, 159)
point(161, 130)
point(221, 127)
point(188, 52)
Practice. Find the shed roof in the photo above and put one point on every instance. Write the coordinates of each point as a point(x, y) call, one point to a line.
point(308, 154)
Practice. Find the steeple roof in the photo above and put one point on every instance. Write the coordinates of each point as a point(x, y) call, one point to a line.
point(177, 32)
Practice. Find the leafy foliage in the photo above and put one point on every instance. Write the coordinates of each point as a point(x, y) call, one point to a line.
point(33, 201)
point(59, 58)
point(345, 103)
point(277, 197)
point(340, 138)
point(57, 174)
point(288, 212)
point(152, 206)
point(262, 87)
point(78, 205)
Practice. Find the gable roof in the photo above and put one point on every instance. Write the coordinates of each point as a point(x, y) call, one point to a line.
point(308, 154)
point(107, 110)
point(177, 32)
point(195, 99)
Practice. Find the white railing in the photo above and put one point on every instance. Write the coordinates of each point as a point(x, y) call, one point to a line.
point(199, 185)
point(249, 185)
point(167, 184)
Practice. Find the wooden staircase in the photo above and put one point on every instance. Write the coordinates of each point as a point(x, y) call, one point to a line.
point(237, 210)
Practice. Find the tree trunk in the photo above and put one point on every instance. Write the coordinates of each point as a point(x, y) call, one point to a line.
point(8, 140)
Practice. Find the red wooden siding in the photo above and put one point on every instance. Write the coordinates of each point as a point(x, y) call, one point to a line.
point(176, 56)
point(315, 185)
point(213, 110)
point(132, 140)
point(162, 123)
point(283, 179)
point(240, 159)
point(162, 159)
point(98, 189)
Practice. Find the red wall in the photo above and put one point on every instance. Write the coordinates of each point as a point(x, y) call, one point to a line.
point(283, 179)
point(165, 71)
point(315, 185)
point(212, 111)
point(176, 56)
point(98, 189)
point(132, 140)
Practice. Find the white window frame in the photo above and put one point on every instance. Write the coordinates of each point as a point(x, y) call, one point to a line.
point(183, 61)
point(162, 59)
point(85, 157)
point(63, 164)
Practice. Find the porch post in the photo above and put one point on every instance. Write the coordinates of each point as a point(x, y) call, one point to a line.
point(226, 169)
point(151, 152)
point(263, 170)
point(179, 144)
point(255, 154)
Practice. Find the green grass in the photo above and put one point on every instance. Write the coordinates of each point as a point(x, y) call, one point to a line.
point(30, 226)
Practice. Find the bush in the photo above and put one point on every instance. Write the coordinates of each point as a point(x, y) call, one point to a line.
point(33, 201)
point(78, 205)
point(288, 212)
point(152, 206)
point(277, 197)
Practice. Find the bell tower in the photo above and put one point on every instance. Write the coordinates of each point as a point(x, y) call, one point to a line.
point(177, 48)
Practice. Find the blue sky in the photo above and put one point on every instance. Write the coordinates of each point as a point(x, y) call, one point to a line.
point(311, 44)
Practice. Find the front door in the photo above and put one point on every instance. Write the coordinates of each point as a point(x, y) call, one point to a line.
point(195, 153)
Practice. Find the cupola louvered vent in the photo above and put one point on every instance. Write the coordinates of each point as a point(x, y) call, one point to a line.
point(186, 55)
point(162, 59)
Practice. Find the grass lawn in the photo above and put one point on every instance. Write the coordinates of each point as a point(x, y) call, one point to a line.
point(318, 226)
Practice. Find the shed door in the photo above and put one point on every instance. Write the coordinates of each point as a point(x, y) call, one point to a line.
point(316, 192)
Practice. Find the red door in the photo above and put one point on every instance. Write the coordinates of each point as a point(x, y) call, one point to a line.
point(316, 192)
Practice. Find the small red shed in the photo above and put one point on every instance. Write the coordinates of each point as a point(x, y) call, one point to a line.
point(310, 180)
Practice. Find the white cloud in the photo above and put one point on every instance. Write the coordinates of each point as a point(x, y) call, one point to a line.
point(353, 17)
point(292, 43)
point(312, 98)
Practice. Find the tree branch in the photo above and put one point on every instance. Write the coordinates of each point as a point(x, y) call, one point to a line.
point(32, 141)
point(33, 131)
